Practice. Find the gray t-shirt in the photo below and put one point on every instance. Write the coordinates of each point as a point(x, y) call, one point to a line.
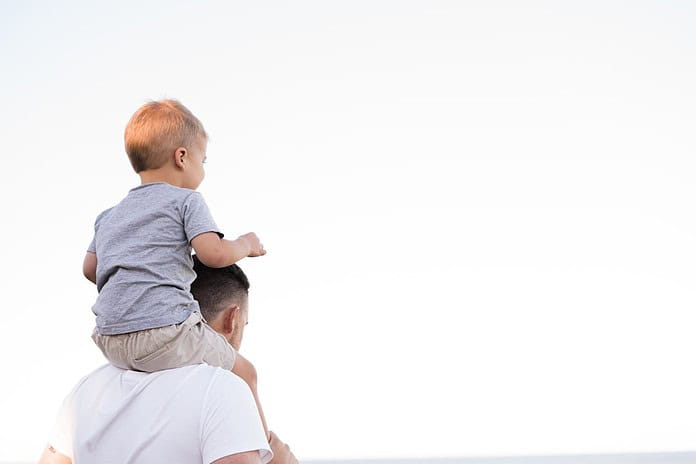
point(144, 264)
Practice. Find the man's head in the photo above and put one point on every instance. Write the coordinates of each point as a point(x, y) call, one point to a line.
point(222, 295)
point(158, 131)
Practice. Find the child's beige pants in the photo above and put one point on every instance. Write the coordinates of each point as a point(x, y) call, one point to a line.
point(191, 342)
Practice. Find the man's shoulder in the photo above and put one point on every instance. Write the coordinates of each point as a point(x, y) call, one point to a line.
point(105, 370)
point(214, 412)
point(203, 372)
point(206, 384)
point(121, 386)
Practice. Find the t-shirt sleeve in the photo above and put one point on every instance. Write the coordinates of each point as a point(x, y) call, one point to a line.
point(92, 248)
point(62, 434)
point(93, 244)
point(230, 422)
point(197, 217)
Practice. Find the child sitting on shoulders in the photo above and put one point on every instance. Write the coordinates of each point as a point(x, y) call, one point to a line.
point(140, 256)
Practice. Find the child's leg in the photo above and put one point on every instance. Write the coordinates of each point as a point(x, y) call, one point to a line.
point(112, 346)
point(244, 369)
point(161, 348)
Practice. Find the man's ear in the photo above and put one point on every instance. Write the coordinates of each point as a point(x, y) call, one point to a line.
point(180, 157)
point(231, 319)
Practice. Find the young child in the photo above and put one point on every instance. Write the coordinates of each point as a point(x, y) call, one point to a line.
point(140, 256)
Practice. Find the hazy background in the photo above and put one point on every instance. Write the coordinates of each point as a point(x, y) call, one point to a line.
point(478, 215)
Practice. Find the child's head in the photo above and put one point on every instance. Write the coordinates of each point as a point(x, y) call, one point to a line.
point(157, 130)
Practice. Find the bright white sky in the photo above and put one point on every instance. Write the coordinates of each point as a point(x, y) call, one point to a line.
point(479, 215)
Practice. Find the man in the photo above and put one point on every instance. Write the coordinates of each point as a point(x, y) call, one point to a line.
point(195, 414)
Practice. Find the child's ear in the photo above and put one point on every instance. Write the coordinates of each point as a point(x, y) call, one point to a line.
point(180, 157)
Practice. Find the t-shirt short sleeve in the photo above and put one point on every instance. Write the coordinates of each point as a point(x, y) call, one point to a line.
point(93, 244)
point(230, 422)
point(92, 248)
point(61, 435)
point(197, 217)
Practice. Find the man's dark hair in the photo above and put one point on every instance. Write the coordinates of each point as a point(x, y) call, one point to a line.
point(217, 288)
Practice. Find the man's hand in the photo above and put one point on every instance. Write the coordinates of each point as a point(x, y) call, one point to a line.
point(281, 451)
point(255, 246)
point(51, 456)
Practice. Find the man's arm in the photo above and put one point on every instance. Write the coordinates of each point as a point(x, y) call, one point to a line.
point(230, 422)
point(89, 266)
point(281, 455)
point(51, 456)
point(250, 457)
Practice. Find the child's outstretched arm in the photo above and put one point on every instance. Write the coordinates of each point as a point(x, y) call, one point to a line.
point(217, 252)
point(89, 267)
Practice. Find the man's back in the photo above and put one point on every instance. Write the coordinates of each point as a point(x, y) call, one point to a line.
point(195, 414)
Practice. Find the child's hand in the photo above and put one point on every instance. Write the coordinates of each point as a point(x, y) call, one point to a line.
point(255, 246)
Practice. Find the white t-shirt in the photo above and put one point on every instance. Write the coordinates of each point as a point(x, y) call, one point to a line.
point(194, 414)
